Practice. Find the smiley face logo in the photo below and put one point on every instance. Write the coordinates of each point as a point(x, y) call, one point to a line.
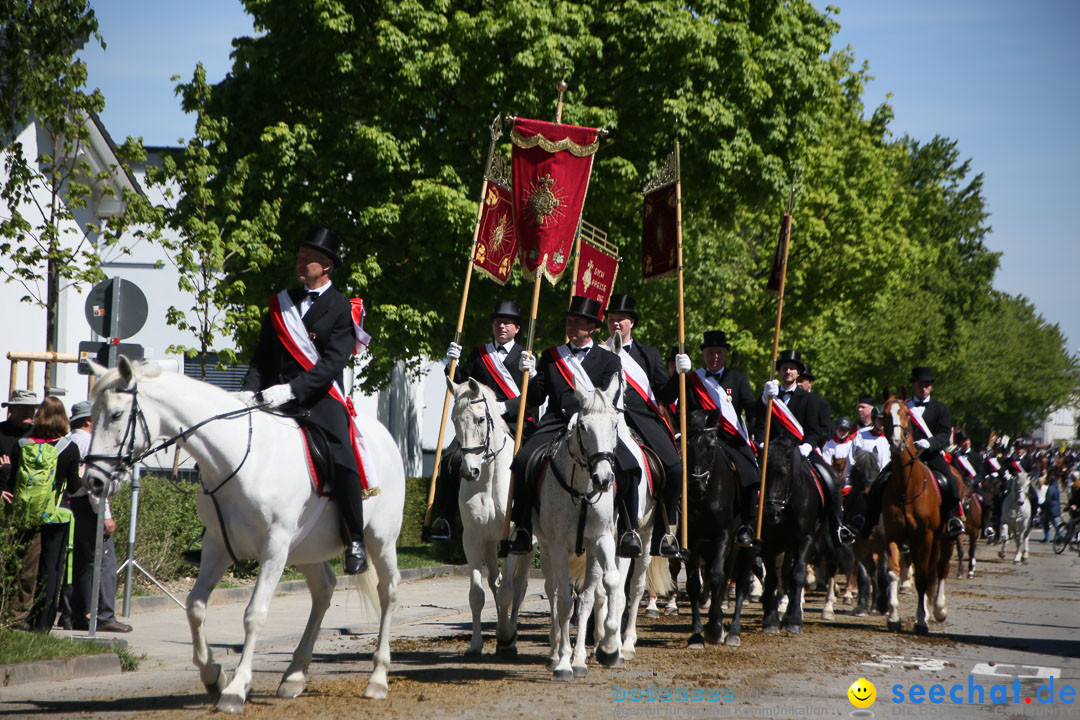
point(862, 693)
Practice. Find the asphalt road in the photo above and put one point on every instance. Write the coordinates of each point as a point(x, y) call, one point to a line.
point(1011, 631)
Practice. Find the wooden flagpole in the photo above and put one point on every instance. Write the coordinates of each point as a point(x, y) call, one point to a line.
point(683, 533)
point(785, 237)
point(496, 133)
point(561, 87)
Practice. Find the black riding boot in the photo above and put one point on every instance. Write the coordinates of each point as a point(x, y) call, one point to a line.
point(350, 498)
point(663, 543)
point(520, 543)
point(444, 507)
point(748, 498)
point(873, 502)
point(835, 509)
point(629, 544)
point(954, 525)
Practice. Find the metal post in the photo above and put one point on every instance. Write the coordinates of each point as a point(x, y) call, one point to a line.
point(113, 352)
point(95, 586)
point(131, 564)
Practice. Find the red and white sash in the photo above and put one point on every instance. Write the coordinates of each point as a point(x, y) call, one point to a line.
point(639, 381)
point(786, 418)
point(290, 330)
point(965, 463)
point(994, 464)
point(713, 397)
point(916, 412)
point(497, 370)
point(571, 368)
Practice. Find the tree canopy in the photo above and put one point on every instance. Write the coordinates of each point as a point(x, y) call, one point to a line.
point(371, 118)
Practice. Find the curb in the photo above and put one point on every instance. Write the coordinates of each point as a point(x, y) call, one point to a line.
point(69, 669)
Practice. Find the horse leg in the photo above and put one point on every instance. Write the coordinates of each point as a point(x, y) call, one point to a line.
point(564, 602)
point(214, 563)
point(607, 651)
point(474, 555)
point(742, 587)
point(652, 610)
point(924, 564)
point(693, 593)
point(672, 607)
point(972, 542)
point(829, 612)
point(551, 589)
point(865, 590)
point(637, 590)
point(960, 557)
point(941, 611)
point(321, 582)
point(383, 556)
point(796, 586)
point(1003, 537)
point(515, 581)
point(893, 620)
point(587, 601)
point(770, 622)
point(270, 569)
point(714, 629)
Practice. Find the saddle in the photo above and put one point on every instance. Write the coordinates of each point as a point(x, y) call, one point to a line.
point(318, 456)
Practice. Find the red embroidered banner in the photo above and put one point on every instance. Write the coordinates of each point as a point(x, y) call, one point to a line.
point(551, 168)
point(597, 270)
point(496, 243)
point(779, 266)
point(658, 241)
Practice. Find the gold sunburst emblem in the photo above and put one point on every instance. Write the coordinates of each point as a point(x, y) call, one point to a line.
point(498, 234)
point(545, 199)
point(586, 278)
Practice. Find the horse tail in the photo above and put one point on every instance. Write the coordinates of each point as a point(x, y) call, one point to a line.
point(658, 578)
point(366, 586)
point(577, 568)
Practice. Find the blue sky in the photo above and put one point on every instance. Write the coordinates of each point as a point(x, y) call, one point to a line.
point(998, 76)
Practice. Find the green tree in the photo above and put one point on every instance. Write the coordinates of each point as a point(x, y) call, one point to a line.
point(47, 196)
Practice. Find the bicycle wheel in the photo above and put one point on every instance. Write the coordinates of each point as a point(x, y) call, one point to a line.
point(1061, 541)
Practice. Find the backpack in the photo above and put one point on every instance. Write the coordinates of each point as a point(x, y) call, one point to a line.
point(37, 498)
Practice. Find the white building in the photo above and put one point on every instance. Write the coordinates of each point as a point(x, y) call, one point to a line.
point(410, 409)
point(1059, 427)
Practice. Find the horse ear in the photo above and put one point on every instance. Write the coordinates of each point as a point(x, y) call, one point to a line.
point(903, 392)
point(127, 369)
point(97, 370)
point(612, 389)
point(474, 387)
point(452, 386)
point(582, 396)
point(885, 394)
point(616, 342)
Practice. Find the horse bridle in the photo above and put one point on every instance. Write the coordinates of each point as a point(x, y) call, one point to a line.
point(488, 430)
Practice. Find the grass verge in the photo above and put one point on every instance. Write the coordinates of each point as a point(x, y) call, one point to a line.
point(18, 647)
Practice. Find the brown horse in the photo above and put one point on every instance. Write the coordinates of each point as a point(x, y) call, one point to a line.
point(975, 516)
point(912, 514)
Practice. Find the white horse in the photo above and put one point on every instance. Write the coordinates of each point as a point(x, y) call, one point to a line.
point(486, 452)
point(254, 464)
point(577, 498)
point(1016, 515)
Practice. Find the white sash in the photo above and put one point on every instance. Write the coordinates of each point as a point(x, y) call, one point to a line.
point(494, 361)
point(994, 464)
point(301, 341)
point(962, 459)
point(635, 374)
point(723, 403)
point(916, 412)
point(570, 362)
point(787, 418)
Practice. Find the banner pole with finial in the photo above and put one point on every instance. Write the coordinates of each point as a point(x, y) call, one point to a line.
point(496, 133)
point(561, 87)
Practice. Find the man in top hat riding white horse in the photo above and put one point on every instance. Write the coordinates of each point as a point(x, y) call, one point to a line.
point(646, 378)
point(932, 430)
point(590, 365)
point(495, 364)
point(280, 380)
point(805, 416)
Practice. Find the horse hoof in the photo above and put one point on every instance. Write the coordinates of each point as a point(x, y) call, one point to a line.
point(652, 614)
point(506, 651)
point(230, 704)
point(771, 630)
point(828, 615)
point(732, 640)
point(376, 691)
point(629, 655)
point(671, 610)
point(608, 659)
point(562, 676)
point(942, 617)
point(893, 625)
point(473, 653)
point(858, 612)
point(971, 575)
point(696, 642)
point(754, 598)
point(793, 629)
point(921, 629)
point(581, 671)
point(290, 689)
point(714, 637)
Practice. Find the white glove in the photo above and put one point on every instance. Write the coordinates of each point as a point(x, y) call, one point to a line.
point(923, 444)
point(527, 363)
point(805, 449)
point(453, 352)
point(682, 364)
point(772, 390)
point(247, 397)
point(277, 395)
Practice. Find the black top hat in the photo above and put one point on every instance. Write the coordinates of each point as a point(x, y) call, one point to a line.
point(807, 374)
point(587, 308)
point(325, 242)
point(622, 303)
point(959, 436)
point(790, 356)
point(866, 400)
point(922, 373)
point(714, 338)
point(843, 424)
point(506, 309)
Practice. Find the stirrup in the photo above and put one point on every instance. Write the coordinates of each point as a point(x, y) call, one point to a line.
point(988, 533)
point(520, 543)
point(669, 547)
point(629, 545)
point(844, 535)
point(954, 527)
point(744, 538)
point(438, 530)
